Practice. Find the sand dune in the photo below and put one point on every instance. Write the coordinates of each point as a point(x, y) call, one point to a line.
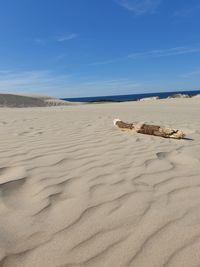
point(76, 191)
point(19, 100)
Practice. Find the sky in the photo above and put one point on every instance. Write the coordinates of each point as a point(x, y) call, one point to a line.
point(78, 48)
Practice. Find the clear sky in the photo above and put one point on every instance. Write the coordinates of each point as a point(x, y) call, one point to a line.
point(72, 48)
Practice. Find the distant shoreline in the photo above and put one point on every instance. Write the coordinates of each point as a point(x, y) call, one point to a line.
point(20, 101)
point(132, 97)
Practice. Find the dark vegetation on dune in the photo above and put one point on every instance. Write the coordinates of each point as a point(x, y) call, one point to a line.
point(8, 100)
point(20, 101)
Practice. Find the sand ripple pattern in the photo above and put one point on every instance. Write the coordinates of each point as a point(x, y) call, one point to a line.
point(75, 191)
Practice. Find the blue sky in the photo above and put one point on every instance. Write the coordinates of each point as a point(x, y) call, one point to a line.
point(72, 48)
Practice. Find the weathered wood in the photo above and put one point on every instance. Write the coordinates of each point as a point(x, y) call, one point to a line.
point(143, 128)
point(124, 125)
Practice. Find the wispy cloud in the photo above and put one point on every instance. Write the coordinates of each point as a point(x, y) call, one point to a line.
point(40, 41)
point(61, 56)
point(165, 52)
point(157, 53)
point(140, 7)
point(106, 62)
point(44, 82)
point(3, 72)
point(191, 73)
point(114, 84)
point(60, 85)
point(187, 12)
point(98, 87)
point(67, 37)
point(61, 38)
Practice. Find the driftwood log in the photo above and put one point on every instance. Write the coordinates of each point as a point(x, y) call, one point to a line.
point(149, 129)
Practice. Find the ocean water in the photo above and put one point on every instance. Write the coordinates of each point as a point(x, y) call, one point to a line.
point(134, 97)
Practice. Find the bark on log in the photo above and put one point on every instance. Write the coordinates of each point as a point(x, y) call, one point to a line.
point(150, 129)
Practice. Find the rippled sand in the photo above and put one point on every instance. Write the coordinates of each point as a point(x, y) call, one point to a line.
point(76, 191)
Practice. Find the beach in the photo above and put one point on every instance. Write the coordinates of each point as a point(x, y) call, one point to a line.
point(77, 191)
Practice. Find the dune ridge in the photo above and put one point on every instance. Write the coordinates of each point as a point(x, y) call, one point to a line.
point(75, 191)
point(26, 100)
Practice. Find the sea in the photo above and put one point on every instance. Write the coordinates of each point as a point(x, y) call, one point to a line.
point(131, 97)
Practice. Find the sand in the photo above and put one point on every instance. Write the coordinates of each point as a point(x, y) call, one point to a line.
point(28, 100)
point(76, 191)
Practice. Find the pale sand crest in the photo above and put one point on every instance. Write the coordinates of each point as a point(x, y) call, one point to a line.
point(76, 191)
point(28, 100)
